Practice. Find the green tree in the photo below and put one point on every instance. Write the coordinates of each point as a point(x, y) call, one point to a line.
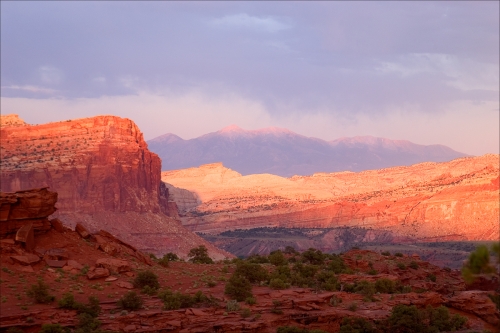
point(199, 255)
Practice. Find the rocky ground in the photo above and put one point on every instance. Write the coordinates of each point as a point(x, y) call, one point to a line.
point(105, 267)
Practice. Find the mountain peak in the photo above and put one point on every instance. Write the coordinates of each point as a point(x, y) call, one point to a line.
point(231, 129)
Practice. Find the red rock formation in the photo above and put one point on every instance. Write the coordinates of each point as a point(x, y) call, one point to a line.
point(104, 174)
point(26, 207)
point(456, 200)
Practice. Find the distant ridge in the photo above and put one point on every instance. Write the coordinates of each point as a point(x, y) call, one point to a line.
point(282, 152)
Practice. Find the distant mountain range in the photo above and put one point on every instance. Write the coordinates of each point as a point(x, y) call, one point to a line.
point(282, 152)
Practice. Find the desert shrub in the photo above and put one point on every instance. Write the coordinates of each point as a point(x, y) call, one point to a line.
point(130, 301)
point(146, 278)
point(307, 271)
point(290, 250)
point(398, 254)
point(477, 263)
point(372, 272)
point(313, 256)
point(152, 256)
point(432, 277)
point(40, 293)
point(365, 288)
point(357, 325)
point(67, 301)
point(336, 264)
point(277, 284)
point(246, 312)
point(164, 261)
point(93, 308)
point(413, 265)
point(440, 319)
point(238, 287)
point(495, 298)
point(257, 259)
point(327, 280)
point(352, 307)
point(149, 291)
point(409, 319)
point(53, 328)
point(252, 272)
point(385, 286)
point(386, 253)
point(335, 300)
point(199, 255)
point(401, 266)
point(171, 256)
point(277, 258)
point(250, 300)
point(232, 305)
point(87, 324)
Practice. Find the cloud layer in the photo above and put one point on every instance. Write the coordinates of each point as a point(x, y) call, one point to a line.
point(342, 68)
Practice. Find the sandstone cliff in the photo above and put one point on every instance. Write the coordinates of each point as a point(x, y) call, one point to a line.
point(455, 200)
point(104, 174)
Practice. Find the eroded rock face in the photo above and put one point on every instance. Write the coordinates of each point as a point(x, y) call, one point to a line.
point(23, 208)
point(99, 163)
point(456, 200)
point(105, 176)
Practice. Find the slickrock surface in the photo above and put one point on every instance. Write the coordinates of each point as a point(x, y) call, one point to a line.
point(104, 174)
point(457, 200)
point(26, 207)
point(301, 307)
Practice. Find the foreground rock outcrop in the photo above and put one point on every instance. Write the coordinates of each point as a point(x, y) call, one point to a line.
point(105, 267)
point(456, 200)
point(30, 207)
point(104, 175)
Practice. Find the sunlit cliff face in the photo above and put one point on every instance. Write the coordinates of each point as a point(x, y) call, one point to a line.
point(453, 200)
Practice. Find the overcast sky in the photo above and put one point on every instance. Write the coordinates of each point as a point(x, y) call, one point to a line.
point(424, 71)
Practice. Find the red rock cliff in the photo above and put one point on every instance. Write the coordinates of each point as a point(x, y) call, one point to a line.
point(105, 176)
point(456, 200)
point(95, 164)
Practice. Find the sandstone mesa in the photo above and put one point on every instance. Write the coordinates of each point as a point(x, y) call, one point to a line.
point(456, 200)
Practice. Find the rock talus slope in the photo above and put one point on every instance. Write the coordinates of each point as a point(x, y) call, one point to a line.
point(456, 200)
point(103, 172)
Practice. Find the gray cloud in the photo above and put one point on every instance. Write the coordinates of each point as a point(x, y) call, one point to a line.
point(340, 58)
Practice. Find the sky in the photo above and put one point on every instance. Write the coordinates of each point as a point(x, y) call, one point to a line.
point(424, 71)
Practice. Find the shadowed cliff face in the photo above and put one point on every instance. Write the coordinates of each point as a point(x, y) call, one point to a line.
point(456, 200)
point(105, 177)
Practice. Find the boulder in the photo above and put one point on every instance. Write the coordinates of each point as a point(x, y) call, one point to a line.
point(82, 231)
point(74, 264)
point(126, 285)
point(26, 235)
point(478, 303)
point(57, 254)
point(114, 265)
point(57, 225)
point(97, 273)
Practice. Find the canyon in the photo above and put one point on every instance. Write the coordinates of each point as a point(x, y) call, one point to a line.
point(105, 177)
point(426, 202)
point(282, 152)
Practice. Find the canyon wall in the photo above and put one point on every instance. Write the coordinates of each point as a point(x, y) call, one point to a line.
point(456, 200)
point(104, 175)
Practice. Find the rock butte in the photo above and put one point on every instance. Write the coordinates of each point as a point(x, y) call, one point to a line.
point(456, 200)
point(105, 176)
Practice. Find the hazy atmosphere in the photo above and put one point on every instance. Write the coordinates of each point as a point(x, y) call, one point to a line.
point(427, 72)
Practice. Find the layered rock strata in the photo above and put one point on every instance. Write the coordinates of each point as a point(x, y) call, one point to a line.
point(457, 200)
point(30, 207)
point(104, 175)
